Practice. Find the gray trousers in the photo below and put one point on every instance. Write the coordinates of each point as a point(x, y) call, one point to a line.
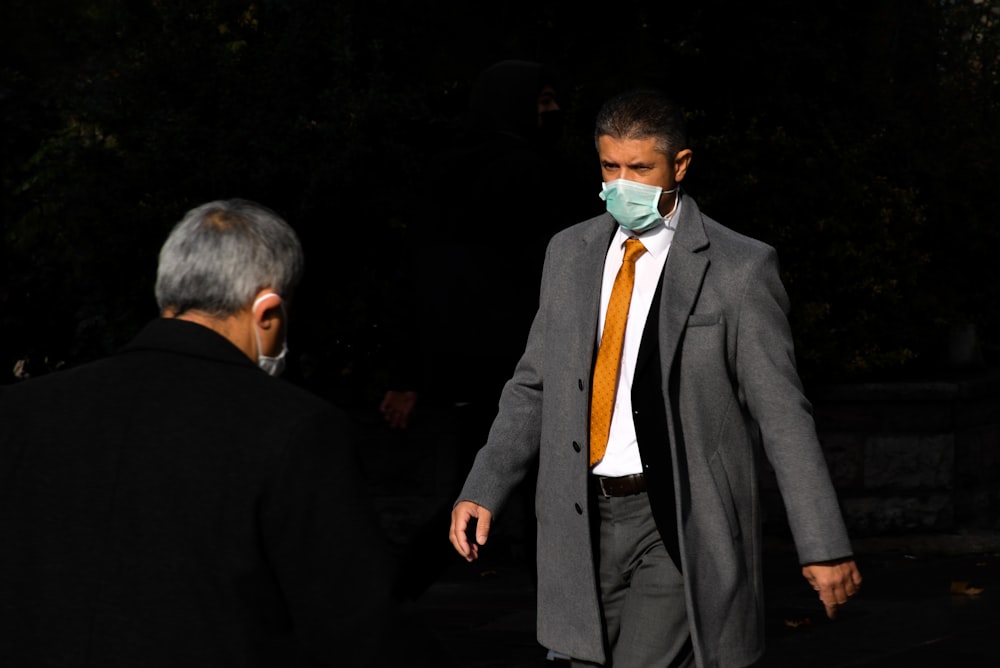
point(642, 592)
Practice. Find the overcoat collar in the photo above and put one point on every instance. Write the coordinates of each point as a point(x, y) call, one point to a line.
point(187, 338)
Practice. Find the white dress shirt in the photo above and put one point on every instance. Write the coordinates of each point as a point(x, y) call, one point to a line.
point(622, 456)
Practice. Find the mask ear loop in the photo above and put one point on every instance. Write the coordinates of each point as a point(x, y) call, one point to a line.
point(677, 201)
point(256, 330)
point(264, 296)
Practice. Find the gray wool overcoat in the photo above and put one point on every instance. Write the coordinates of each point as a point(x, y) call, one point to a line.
point(729, 385)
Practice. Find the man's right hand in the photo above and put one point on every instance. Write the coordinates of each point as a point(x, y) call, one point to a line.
point(462, 514)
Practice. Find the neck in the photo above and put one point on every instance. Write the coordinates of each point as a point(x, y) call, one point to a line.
point(236, 328)
point(669, 202)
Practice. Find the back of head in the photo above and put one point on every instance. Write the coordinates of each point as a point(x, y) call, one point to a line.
point(221, 254)
point(640, 114)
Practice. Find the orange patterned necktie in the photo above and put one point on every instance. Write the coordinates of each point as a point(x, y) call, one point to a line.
point(609, 354)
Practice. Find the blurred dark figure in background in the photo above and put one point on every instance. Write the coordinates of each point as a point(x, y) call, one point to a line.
point(492, 198)
point(176, 505)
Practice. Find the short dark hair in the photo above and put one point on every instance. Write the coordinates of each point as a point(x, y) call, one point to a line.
point(643, 113)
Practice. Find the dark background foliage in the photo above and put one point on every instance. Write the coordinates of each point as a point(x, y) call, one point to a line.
point(859, 138)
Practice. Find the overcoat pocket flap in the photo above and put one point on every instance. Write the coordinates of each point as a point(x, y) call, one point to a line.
point(704, 319)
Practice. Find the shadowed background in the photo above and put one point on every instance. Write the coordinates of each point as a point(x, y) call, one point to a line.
point(858, 138)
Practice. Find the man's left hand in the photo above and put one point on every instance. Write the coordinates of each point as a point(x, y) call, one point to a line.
point(836, 581)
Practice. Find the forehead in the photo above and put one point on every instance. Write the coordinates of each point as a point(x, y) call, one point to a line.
point(628, 151)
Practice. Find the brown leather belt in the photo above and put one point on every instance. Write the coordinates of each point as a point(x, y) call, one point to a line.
point(625, 485)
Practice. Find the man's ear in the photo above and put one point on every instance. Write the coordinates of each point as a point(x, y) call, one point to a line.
point(681, 163)
point(266, 308)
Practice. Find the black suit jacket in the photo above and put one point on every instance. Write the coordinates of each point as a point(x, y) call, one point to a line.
point(650, 419)
point(173, 505)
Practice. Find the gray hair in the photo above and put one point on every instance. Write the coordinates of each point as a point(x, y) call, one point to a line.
point(639, 114)
point(221, 254)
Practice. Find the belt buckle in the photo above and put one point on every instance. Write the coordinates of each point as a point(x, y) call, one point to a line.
point(600, 485)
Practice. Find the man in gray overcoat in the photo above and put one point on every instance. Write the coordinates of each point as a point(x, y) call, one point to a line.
point(659, 361)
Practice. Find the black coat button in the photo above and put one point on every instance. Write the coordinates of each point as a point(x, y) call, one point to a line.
point(579, 510)
point(579, 383)
point(576, 446)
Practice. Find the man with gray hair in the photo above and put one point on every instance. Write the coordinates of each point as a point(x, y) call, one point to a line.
point(173, 504)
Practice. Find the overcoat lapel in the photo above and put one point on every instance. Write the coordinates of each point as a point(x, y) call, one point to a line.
point(589, 275)
point(684, 272)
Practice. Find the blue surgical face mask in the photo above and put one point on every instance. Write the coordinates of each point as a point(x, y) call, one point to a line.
point(273, 365)
point(636, 206)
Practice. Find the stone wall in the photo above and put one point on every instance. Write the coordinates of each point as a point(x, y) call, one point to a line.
point(908, 457)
